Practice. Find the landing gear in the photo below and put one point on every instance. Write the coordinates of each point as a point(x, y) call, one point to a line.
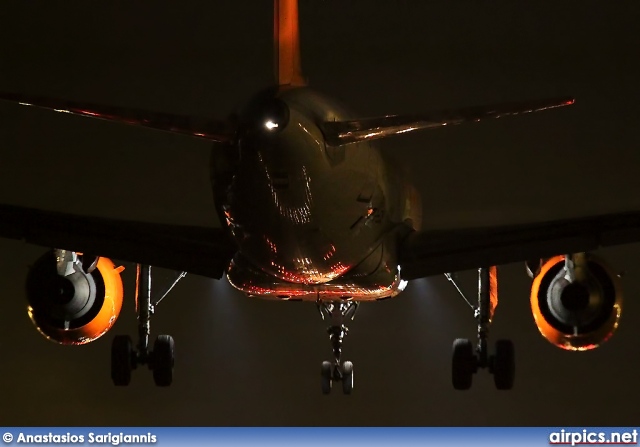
point(124, 358)
point(466, 361)
point(503, 366)
point(326, 373)
point(464, 364)
point(337, 313)
point(347, 377)
point(163, 360)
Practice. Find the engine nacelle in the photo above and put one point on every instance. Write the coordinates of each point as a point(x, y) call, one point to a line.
point(72, 304)
point(576, 313)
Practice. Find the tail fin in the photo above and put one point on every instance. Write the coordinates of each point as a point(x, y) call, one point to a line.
point(286, 43)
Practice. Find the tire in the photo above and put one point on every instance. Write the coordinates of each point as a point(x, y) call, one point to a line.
point(163, 360)
point(463, 365)
point(347, 377)
point(504, 365)
point(121, 360)
point(325, 373)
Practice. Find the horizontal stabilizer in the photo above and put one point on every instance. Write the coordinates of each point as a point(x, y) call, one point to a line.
point(344, 132)
point(220, 131)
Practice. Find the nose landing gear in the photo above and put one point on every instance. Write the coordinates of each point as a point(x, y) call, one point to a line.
point(337, 313)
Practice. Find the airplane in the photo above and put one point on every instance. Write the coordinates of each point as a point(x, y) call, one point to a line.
point(311, 212)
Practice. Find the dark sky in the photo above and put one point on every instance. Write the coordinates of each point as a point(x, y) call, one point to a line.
point(248, 362)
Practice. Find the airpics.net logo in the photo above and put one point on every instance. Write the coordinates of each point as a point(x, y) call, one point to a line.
point(588, 437)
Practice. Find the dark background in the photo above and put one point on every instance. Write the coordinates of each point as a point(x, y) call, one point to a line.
point(249, 362)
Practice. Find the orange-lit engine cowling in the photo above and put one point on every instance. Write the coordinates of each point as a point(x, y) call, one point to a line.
point(101, 316)
point(591, 336)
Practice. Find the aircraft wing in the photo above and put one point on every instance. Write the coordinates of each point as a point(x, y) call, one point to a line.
point(210, 129)
point(337, 133)
point(428, 253)
point(198, 250)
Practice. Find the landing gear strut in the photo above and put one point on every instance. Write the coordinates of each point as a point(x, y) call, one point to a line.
point(337, 313)
point(466, 362)
point(124, 358)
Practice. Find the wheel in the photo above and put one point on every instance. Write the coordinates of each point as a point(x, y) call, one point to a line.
point(325, 372)
point(163, 360)
point(504, 365)
point(347, 377)
point(121, 360)
point(463, 365)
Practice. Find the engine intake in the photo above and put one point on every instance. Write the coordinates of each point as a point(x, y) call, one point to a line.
point(69, 303)
point(576, 309)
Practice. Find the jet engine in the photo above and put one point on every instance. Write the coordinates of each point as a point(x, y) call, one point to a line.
point(576, 301)
point(72, 302)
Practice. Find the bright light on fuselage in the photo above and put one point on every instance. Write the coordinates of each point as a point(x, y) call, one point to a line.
point(270, 125)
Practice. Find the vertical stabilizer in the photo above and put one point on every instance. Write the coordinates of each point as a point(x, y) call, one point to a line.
point(286, 43)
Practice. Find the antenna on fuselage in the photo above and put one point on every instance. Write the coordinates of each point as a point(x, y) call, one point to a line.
point(286, 43)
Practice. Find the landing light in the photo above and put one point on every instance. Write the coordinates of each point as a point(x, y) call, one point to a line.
point(270, 125)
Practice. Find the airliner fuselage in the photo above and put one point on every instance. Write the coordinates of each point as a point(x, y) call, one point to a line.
point(311, 220)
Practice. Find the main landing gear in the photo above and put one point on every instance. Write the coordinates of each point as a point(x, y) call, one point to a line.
point(466, 361)
point(337, 313)
point(124, 358)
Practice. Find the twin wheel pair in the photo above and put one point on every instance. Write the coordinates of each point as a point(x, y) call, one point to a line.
point(124, 359)
point(466, 362)
point(332, 372)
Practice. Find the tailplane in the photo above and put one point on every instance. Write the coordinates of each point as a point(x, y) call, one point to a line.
point(337, 133)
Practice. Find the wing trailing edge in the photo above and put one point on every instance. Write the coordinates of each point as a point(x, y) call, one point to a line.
point(337, 133)
point(197, 250)
point(209, 129)
point(427, 253)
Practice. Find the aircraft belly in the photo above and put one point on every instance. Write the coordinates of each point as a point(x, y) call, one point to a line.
point(377, 277)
